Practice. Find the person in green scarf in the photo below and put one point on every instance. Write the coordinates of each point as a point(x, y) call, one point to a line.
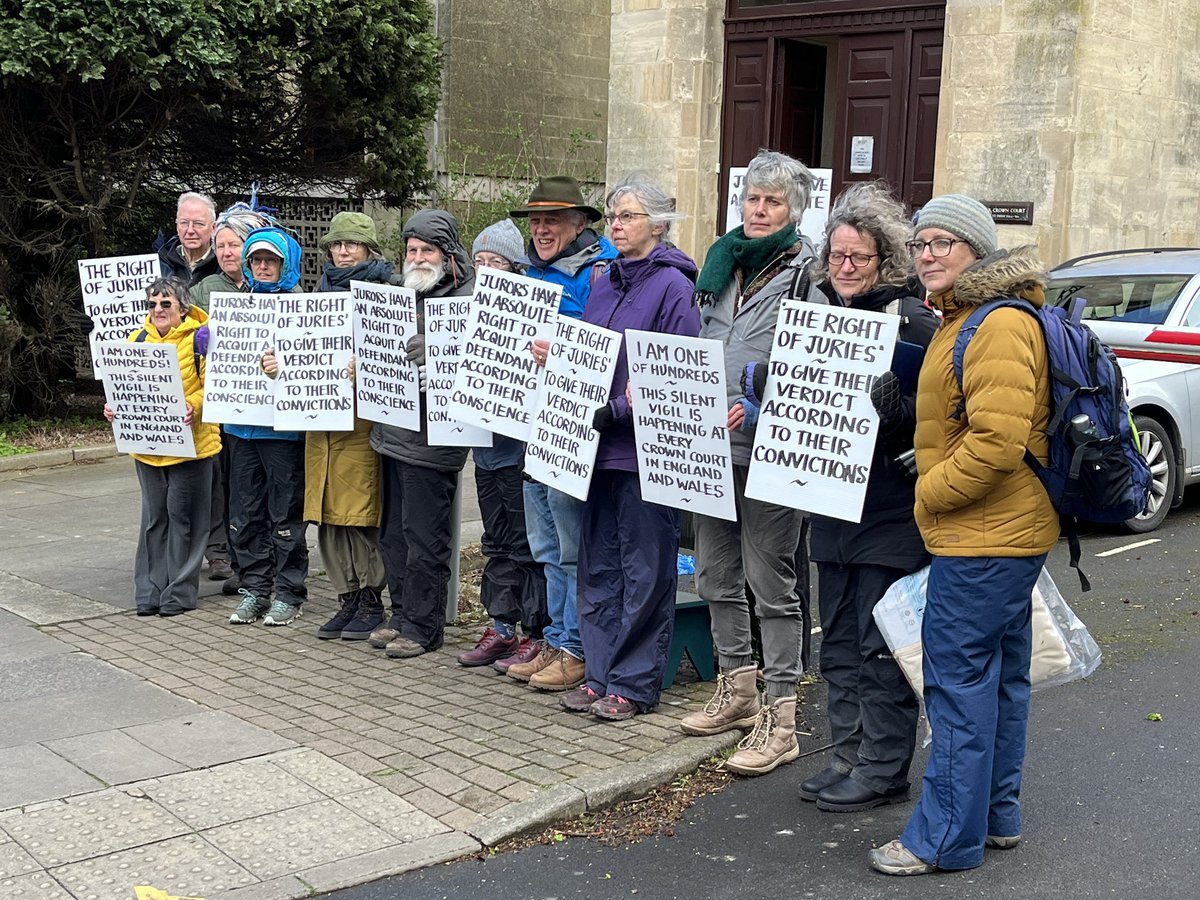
point(745, 276)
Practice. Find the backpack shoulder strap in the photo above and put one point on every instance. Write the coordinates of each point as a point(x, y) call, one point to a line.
point(141, 336)
point(801, 282)
point(969, 327)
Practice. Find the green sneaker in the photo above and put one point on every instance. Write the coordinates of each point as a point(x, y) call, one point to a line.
point(250, 610)
point(281, 613)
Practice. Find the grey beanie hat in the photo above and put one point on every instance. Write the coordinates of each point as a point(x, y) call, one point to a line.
point(502, 238)
point(962, 216)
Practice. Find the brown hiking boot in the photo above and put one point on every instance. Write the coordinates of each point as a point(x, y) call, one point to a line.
point(771, 743)
point(525, 671)
point(563, 674)
point(734, 705)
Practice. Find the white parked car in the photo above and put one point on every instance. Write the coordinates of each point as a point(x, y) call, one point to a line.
point(1145, 305)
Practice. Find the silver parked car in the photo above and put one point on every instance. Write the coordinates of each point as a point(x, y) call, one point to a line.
point(1145, 305)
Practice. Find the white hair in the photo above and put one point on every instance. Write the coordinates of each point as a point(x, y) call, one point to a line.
point(203, 198)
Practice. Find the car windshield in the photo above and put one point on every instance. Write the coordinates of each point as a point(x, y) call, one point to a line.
point(1144, 299)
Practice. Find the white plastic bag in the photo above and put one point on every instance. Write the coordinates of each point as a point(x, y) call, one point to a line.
point(1063, 650)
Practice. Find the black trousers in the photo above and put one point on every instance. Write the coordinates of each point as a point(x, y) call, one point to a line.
point(514, 586)
point(415, 541)
point(266, 517)
point(872, 710)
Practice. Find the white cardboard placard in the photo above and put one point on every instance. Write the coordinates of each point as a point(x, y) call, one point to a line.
point(114, 296)
point(144, 387)
point(240, 329)
point(445, 325)
point(386, 386)
point(313, 343)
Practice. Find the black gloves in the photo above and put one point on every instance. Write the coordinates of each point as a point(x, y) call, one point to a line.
point(602, 418)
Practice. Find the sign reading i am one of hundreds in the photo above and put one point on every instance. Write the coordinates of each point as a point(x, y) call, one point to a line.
point(579, 373)
point(385, 317)
point(680, 419)
point(114, 296)
point(313, 343)
point(816, 433)
point(445, 325)
point(496, 386)
point(144, 387)
point(236, 390)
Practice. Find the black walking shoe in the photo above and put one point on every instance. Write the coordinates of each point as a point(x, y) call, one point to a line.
point(333, 628)
point(367, 618)
point(850, 796)
point(826, 778)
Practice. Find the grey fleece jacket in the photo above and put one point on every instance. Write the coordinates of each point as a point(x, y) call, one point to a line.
point(749, 332)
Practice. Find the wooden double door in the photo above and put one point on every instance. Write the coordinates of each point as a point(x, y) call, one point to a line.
point(857, 94)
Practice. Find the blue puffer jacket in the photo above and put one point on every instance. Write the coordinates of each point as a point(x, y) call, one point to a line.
point(573, 272)
point(289, 277)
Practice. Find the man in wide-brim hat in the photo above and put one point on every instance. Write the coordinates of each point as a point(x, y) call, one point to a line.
point(562, 250)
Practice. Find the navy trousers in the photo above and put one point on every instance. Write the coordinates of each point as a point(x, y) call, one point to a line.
point(977, 644)
point(514, 586)
point(628, 572)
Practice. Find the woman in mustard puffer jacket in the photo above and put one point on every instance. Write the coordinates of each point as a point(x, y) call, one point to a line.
point(176, 491)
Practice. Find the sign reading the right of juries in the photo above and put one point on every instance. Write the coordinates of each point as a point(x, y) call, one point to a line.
point(680, 418)
point(816, 432)
point(114, 296)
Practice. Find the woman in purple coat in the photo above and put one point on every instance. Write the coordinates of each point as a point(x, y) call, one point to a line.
point(628, 547)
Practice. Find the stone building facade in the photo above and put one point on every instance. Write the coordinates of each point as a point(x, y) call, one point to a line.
point(1089, 110)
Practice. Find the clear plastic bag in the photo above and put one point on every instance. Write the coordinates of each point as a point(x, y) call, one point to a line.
point(1063, 650)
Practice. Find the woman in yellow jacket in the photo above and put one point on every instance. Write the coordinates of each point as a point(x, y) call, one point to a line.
point(176, 491)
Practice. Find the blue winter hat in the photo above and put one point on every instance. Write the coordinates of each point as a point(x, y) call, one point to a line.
point(281, 244)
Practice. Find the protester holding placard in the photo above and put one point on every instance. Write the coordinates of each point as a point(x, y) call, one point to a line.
point(189, 254)
point(341, 471)
point(562, 250)
point(989, 523)
point(266, 476)
point(229, 237)
point(872, 710)
point(745, 276)
point(627, 549)
point(175, 491)
point(419, 481)
point(513, 590)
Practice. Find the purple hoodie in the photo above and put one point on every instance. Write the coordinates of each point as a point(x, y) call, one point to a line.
point(651, 294)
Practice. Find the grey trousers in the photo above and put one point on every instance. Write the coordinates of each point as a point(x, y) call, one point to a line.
point(174, 532)
point(352, 559)
point(872, 710)
point(759, 548)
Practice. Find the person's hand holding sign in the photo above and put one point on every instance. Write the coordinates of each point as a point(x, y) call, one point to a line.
point(541, 350)
point(269, 363)
point(189, 416)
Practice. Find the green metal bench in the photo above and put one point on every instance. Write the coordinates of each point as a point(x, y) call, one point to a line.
point(693, 636)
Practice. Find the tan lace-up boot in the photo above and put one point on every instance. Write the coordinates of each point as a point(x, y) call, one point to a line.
point(771, 743)
point(734, 705)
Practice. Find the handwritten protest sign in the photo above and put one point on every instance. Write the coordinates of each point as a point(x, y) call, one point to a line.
point(812, 223)
point(144, 387)
point(816, 431)
point(236, 391)
point(445, 325)
point(385, 317)
point(496, 386)
point(579, 373)
point(679, 418)
point(114, 296)
point(313, 343)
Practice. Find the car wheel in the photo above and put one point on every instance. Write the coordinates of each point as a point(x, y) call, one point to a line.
point(1160, 457)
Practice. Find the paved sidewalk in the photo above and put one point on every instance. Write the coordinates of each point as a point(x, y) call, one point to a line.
point(211, 760)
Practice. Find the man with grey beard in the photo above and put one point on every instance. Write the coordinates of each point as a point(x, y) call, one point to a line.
point(419, 481)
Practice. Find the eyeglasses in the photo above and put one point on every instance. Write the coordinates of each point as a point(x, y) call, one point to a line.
point(345, 245)
point(858, 260)
point(493, 262)
point(625, 218)
point(160, 304)
point(191, 224)
point(938, 247)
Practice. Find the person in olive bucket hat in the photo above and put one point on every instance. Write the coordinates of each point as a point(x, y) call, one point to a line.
point(562, 250)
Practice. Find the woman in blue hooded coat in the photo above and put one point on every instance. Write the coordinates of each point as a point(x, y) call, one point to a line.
point(266, 472)
point(627, 547)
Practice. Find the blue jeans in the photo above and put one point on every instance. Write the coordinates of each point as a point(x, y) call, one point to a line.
point(553, 520)
point(977, 645)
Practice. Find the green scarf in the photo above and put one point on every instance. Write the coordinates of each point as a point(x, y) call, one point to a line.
point(734, 250)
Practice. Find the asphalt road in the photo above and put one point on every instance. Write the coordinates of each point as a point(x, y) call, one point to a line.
point(1109, 796)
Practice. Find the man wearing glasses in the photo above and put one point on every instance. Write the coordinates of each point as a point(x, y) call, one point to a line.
point(189, 255)
point(563, 250)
